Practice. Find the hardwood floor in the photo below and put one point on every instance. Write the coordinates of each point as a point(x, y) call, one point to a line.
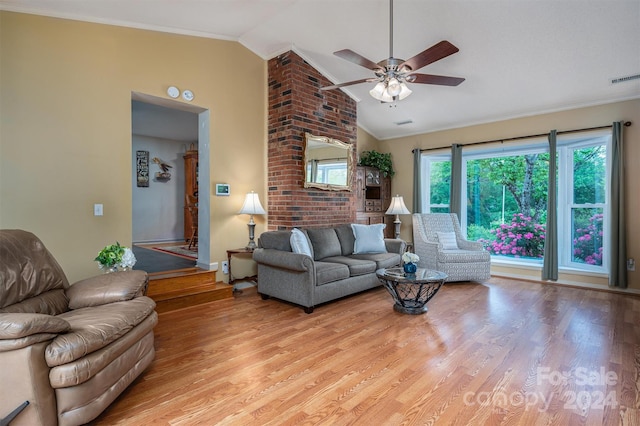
point(502, 352)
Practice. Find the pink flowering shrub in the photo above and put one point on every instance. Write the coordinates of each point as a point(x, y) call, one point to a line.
point(587, 242)
point(520, 238)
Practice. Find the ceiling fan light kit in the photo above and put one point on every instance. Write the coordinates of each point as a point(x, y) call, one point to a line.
point(393, 74)
point(390, 92)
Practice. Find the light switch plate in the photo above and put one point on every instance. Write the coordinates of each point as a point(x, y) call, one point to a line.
point(98, 210)
point(631, 264)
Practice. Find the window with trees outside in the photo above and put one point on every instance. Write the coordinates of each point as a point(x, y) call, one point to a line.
point(504, 199)
point(327, 171)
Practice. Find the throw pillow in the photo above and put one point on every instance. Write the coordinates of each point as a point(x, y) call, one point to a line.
point(299, 242)
point(448, 240)
point(325, 243)
point(369, 238)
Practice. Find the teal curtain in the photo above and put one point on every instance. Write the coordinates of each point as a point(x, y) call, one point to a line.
point(550, 263)
point(455, 195)
point(417, 181)
point(618, 239)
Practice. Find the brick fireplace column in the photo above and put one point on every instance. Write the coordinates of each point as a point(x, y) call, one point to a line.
point(296, 106)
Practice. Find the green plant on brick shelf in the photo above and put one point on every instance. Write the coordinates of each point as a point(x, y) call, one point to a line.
point(378, 160)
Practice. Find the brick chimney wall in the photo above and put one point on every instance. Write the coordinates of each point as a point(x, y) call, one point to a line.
point(296, 106)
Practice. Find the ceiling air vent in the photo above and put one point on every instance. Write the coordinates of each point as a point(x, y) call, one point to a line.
point(624, 79)
point(402, 123)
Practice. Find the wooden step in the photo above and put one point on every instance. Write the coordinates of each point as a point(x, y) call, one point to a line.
point(186, 287)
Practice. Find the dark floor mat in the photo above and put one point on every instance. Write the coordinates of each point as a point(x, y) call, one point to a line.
point(155, 261)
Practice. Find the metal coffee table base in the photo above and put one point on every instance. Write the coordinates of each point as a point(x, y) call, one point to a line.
point(411, 292)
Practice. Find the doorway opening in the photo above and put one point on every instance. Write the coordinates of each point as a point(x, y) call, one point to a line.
point(172, 139)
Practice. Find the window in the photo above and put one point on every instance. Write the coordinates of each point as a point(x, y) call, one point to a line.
point(327, 171)
point(437, 170)
point(585, 210)
point(505, 197)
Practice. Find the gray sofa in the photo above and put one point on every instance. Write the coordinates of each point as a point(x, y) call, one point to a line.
point(333, 271)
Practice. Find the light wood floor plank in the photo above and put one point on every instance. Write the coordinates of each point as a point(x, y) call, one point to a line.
point(504, 352)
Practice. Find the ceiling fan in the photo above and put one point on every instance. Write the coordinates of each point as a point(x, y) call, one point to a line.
point(392, 74)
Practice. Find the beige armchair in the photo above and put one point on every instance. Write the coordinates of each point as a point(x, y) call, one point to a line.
point(68, 351)
point(439, 243)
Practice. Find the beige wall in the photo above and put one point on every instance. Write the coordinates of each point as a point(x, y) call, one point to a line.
point(65, 133)
point(65, 128)
point(567, 120)
point(366, 142)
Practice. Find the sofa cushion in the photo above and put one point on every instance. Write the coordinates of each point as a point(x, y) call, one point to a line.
point(96, 327)
point(325, 243)
point(15, 326)
point(82, 369)
point(279, 240)
point(382, 260)
point(356, 266)
point(369, 238)
point(52, 302)
point(347, 239)
point(300, 242)
point(328, 272)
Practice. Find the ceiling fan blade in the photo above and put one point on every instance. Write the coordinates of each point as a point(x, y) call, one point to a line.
point(357, 59)
point(348, 83)
point(429, 56)
point(434, 79)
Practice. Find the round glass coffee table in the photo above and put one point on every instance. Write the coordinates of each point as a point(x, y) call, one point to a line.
point(411, 292)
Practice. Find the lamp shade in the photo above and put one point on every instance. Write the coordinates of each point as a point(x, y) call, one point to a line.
point(397, 206)
point(252, 205)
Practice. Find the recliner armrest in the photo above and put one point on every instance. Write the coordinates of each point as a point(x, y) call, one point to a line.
point(107, 288)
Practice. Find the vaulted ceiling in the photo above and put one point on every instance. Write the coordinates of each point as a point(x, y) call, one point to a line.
point(519, 57)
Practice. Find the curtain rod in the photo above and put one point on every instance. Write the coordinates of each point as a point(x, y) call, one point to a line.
point(626, 124)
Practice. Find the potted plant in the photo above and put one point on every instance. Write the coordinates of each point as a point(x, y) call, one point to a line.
point(378, 160)
point(114, 257)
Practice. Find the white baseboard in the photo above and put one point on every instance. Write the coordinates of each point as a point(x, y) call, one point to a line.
point(567, 283)
point(208, 266)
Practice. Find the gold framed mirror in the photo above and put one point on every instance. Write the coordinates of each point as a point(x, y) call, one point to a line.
point(328, 163)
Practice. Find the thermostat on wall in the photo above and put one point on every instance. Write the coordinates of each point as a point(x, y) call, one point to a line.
point(222, 189)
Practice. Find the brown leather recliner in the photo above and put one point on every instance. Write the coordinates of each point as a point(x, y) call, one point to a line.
point(68, 350)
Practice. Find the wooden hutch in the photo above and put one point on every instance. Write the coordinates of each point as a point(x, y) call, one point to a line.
point(373, 196)
point(190, 190)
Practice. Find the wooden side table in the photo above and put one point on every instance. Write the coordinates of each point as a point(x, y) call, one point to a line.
point(230, 254)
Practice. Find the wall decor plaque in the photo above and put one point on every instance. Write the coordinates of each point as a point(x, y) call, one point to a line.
point(142, 168)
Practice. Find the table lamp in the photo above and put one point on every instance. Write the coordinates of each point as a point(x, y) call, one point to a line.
point(397, 207)
point(252, 206)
